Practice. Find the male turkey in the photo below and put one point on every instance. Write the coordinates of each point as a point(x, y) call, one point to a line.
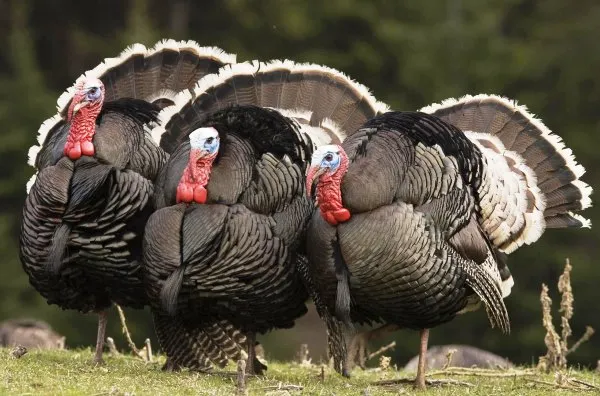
point(87, 206)
point(228, 241)
point(416, 210)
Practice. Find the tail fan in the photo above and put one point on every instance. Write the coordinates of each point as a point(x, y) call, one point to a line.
point(526, 161)
point(489, 292)
point(198, 348)
point(327, 104)
point(154, 74)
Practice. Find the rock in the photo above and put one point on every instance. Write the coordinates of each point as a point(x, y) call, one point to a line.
point(18, 351)
point(465, 356)
point(30, 334)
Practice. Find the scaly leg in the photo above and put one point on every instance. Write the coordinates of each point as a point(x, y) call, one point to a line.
point(357, 351)
point(251, 340)
point(102, 319)
point(420, 380)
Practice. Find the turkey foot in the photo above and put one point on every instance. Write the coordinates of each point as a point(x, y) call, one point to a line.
point(171, 366)
point(420, 380)
point(358, 350)
point(102, 320)
point(253, 365)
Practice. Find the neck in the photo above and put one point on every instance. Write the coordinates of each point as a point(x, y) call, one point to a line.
point(198, 171)
point(83, 126)
point(329, 196)
point(193, 182)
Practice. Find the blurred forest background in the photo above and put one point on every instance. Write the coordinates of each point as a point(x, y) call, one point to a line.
point(545, 54)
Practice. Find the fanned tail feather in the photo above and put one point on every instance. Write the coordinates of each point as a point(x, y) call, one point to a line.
point(199, 348)
point(545, 174)
point(488, 290)
point(322, 100)
point(153, 74)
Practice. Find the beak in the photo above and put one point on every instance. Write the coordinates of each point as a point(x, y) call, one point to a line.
point(313, 173)
point(203, 153)
point(79, 106)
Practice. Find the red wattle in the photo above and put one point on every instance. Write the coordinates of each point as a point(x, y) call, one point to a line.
point(342, 215)
point(74, 151)
point(334, 217)
point(184, 193)
point(329, 217)
point(200, 194)
point(87, 148)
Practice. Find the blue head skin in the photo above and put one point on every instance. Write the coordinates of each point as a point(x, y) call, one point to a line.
point(325, 162)
point(205, 141)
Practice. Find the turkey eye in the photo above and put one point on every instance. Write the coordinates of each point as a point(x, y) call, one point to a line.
point(93, 93)
point(210, 140)
point(329, 157)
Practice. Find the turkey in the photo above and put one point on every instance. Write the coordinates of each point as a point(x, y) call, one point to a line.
point(87, 205)
point(227, 241)
point(417, 211)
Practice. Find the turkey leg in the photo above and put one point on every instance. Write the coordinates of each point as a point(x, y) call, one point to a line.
point(251, 340)
point(102, 319)
point(420, 380)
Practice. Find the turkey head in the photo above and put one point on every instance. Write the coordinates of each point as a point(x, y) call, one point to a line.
point(328, 166)
point(204, 147)
point(83, 111)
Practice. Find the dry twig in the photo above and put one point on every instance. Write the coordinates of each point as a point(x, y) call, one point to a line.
point(382, 350)
point(125, 330)
point(241, 378)
point(478, 372)
point(589, 332)
point(581, 382)
point(433, 382)
point(384, 362)
point(449, 356)
point(283, 387)
point(552, 341)
point(148, 348)
point(112, 348)
point(558, 349)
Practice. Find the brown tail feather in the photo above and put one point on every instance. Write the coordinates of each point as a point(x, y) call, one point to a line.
point(332, 99)
point(197, 348)
point(170, 65)
point(155, 75)
point(556, 171)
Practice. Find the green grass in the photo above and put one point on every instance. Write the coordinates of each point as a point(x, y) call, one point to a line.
point(71, 373)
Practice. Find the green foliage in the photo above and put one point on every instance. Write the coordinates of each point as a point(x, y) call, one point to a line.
point(410, 54)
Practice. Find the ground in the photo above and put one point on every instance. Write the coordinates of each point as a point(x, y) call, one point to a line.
point(71, 373)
